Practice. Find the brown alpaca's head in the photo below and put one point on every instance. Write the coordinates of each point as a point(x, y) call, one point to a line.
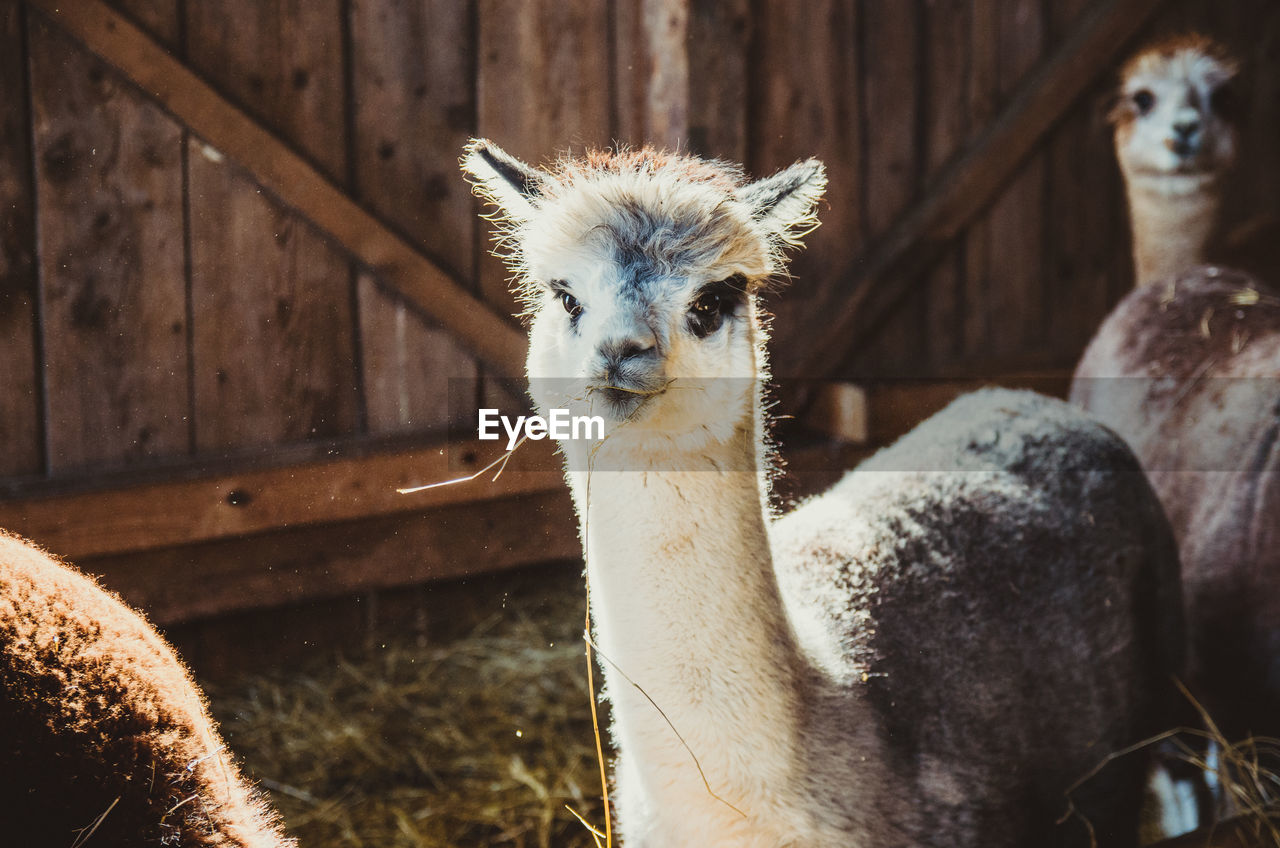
point(1176, 113)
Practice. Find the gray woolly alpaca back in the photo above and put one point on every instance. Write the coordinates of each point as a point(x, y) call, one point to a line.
point(1003, 589)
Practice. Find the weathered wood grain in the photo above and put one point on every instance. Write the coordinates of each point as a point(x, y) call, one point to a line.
point(159, 18)
point(273, 345)
point(283, 173)
point(416, 378)
point(134, 516)
point(273, 340)
point(109, 182)
point(1086, 224)
point(20, 407)
point(652, 59)
point(295, 565)
point(1015, 297)
point(891, 113)
point(968, 185)
point(543, 88)
point(719, 96)
point(281, 61)
point(806, 104)
point(946, 129)
point(984, 100)
point(414, 111)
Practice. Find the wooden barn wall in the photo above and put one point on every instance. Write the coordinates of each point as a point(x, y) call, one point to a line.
point(156, 303)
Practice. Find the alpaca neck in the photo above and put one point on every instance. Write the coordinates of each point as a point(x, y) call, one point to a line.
point(1173, 219)
point(686, 607)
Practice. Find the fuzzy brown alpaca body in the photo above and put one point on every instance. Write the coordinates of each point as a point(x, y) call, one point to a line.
point(1186, 370)
point(105, 740)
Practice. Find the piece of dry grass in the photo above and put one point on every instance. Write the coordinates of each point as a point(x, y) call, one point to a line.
point(1248, 771)
point(482, 741)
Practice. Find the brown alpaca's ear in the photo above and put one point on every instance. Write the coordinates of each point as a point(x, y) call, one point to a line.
point(503, 180)
point(786, 202)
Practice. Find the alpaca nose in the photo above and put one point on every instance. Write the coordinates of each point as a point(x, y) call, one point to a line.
point(629, 349)
point(1185, 129)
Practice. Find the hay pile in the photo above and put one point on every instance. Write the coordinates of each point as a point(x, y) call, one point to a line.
point(478, 741)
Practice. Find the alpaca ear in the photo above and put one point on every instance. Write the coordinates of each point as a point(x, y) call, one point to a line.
point(503, 180)
point(785, 202)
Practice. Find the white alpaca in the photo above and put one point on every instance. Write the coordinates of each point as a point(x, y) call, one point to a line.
point(105, 740)
point(929, 654)
point(1185, 369)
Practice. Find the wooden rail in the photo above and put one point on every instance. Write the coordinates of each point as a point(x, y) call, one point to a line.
point(128, 518)
point(285, 174)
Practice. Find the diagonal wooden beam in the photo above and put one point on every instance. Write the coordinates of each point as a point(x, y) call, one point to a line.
point(284, 173)
point(848, 309)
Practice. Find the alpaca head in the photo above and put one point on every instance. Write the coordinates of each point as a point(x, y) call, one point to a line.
point(1175, 117)
point(639, 272)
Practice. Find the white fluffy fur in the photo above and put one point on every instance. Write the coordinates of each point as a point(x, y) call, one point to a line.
point(697, 593)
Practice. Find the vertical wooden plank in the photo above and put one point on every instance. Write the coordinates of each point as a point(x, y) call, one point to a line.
point(20, 431)
point(414, 100)
point(805, 105)
point(543, 87)
point(891, 112)
point(273, 337)
point(1251, 30)
point(720, 34)
point(983, 97)
point(890, 108)
point(1017, 218)
point(280, 60)
point(946, 59)
point(652, 56)
point(109, 180)
point(273, 344)
point(412, 368)
point(1085, 213)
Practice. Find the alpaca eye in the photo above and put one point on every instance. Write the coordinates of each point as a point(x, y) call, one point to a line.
point(1144, 100)
point(713, 304)
point(570, 304)
point(707, 303)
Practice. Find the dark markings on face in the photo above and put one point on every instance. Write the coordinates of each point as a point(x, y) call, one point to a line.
point(713, 303)
point(648, 244)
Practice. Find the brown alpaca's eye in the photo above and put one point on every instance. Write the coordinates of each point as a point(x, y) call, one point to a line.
point(1144, 100)
point(570, 304)
point(713, 304)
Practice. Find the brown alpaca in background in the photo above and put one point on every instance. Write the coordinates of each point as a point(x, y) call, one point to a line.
point(105, 740)
point(1186, 370)
point(1177, 138)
